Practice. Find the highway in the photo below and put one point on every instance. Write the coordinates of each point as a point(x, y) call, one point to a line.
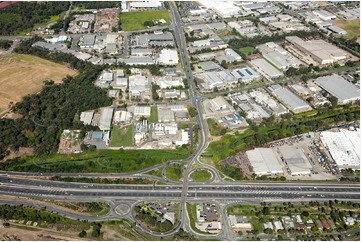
point(218, 191)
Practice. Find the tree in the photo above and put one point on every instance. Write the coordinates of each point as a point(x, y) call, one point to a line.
point(192, 111)
point(82, 234)
point(224, 64)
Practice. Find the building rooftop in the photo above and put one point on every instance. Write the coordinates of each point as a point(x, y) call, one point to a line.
point(296, 160)
point(264, 161)
point(289, 98)
point(209, 65)
point(338, 87)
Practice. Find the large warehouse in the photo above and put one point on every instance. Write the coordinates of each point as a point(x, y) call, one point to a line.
point(320, 50)
point(343, 146)
point(296, 160)
point(264, 161)
point(337, 86)
point(106, 116)
point(266, 69)
point(293, 102)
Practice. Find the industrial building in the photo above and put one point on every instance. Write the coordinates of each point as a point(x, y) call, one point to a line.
point(156, 39)
point(209, 66)
point(165, 115)
point(219, 104)
point(324, 15)
point(344, 147)
point(261, 97)
point(86, 117)
point(168, 57)
point(337, 30)
point(168, 81)
point(145, 5)
point(321, 51)
point(141, 52)
point(137, 60)
point(337, 86)
point(139, 87)
point(295, 159)
point(106, 116)
point(122, 117)
point(246, 75)
point(87, 42)
point(141, 111)
point(293, 102)
point(233, 54)
point(225, 10)
point(266, 69)
point(278, 56)
point(264, 161)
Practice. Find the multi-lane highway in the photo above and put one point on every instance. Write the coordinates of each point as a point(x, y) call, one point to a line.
point(216, 190)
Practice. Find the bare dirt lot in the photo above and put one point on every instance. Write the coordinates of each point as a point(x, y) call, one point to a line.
point(24, 74)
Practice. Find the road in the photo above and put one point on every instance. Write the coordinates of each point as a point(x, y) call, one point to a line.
point(216, 190)
point(196, 100)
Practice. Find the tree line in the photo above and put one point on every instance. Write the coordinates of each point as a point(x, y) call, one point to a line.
point(24, 15)
point(55, 108)
point(5, 44)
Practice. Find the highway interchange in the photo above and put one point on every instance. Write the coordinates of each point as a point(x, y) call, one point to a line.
point(217, 191)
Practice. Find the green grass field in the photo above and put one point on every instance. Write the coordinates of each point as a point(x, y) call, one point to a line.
point(247, 50)
point(175, 172)
point(352, 27)
point(52, 19)
point(135, 20)
point(215, 129)
point(200, 175)
point(122, 136)
point(153, 115)
point(107, 161)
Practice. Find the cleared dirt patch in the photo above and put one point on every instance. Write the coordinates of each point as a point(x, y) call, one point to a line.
point(21, 75)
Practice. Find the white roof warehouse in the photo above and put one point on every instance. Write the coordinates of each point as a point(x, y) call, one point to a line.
point(337, 86)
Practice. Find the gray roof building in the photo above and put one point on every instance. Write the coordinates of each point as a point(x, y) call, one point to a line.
point(106, 116)
point(264, 161)
point(209, 66)
point(337, 86)
point(290, 99)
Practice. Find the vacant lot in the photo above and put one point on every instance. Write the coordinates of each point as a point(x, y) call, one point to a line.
point(122, 136)
point(247, 50)
point(135, 20)
point(21, 75)
point(352, 27)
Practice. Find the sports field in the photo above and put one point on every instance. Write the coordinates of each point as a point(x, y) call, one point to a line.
point(21, 75)
point(135, 20)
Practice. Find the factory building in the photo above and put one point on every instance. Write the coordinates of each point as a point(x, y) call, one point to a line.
point(343, 146)
point(293, 102)
point(106, 116)
point(321, 51)
point(219, 104)
point(86, 117)
point(337, 86)
point(264, 161)
point(266, 69)
point(87, 42)
point(141, 111)
point(246, 75)
point(278, 56)
point(139, 87)
point(296, 160)
point(337, 30)
point(168, 57)
point(324, 15)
